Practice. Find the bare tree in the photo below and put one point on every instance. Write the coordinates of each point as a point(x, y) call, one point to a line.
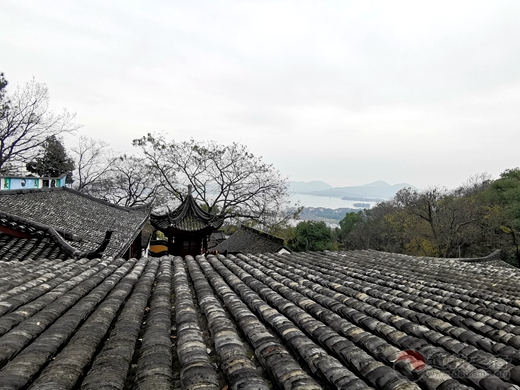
point(130, 182)
point(28, 121)
point(474, 185)
point(226, 179)
point(449, 216)
point(93, 160)
point(425, 205)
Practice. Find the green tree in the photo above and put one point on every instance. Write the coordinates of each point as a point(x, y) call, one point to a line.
point(4, 103)
point(503, 199)
point(312, 236)
point(434, 222)
point(441, 221)
point(348, 223)
point(52, 161)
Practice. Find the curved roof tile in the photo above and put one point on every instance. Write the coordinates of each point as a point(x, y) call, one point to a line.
point(82, 220)
point(343, 320)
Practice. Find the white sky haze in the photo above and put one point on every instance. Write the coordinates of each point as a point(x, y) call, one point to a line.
point(347, 92)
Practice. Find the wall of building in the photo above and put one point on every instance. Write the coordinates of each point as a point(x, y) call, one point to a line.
point(18, 183)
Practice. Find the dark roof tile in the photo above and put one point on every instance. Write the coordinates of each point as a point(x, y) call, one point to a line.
point(80, 219)
point(308, 320)
point(249, 240)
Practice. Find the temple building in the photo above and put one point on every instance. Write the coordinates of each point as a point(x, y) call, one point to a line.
point(188, 228)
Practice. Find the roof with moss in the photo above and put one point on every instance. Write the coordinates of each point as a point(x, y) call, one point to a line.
point(81, 220)
point(250, 240)
point(316, 320)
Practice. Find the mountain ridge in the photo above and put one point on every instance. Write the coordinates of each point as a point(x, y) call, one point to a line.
point(377, 189)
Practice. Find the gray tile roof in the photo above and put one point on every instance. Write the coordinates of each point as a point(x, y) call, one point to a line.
point(216, 238)
point(249, 240)
point(82, 220)
point(20, 249)
point(347, 320)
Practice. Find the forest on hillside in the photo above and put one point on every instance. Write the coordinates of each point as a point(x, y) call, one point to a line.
point(473, 220)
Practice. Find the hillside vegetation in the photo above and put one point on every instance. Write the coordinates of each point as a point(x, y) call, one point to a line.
point(471, 221)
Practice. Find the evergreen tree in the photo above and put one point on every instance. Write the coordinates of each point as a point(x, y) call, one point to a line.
point(4, 106)
point(312, 236)
point(52, 161)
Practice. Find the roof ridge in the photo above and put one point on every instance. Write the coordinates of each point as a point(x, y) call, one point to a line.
point(76, 192)
point(101, 201)
point(58, 236)
point(265, 234)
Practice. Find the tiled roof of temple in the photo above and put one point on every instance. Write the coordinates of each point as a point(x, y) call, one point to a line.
point(216, 238)
point(249, 240)
point(16, 248)
point(30, 242)
point(22, 239)
point(347, 320)
point(188, 217)
point(492, 259)
point(80, 219)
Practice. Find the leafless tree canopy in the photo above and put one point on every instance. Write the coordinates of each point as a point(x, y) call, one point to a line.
point(120, 179)
point(128, 183)
point(93, 159)
point(226, 179)
point(28, 122)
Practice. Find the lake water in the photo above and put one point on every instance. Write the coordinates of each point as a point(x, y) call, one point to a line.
point(326, 201)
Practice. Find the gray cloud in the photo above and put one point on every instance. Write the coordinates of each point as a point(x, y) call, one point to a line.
point(346, 92)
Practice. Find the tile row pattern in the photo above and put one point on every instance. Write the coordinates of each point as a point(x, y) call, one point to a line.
point(195, 363)
point(233, 355)
point(15, 249)
point(85, 218)
point(282, 367)
point(249, 240)
point(299, 321)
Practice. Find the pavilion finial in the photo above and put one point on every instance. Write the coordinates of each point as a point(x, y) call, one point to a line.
point(190, 188)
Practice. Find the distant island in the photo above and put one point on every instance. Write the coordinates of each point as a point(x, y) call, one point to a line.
point(361, 198)
point(363, 205)
point(375, 191)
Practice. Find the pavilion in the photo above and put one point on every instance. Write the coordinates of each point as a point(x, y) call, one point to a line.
point(187, 228)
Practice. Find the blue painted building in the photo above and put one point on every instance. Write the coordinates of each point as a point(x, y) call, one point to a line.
point(27, 182)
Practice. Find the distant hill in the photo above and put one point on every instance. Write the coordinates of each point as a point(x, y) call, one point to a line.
point(301, 187)
point(377, 189)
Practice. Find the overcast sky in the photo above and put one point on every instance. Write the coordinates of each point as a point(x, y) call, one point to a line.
point(347, 92)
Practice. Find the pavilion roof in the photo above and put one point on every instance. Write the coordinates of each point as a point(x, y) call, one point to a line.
point(189, 217)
